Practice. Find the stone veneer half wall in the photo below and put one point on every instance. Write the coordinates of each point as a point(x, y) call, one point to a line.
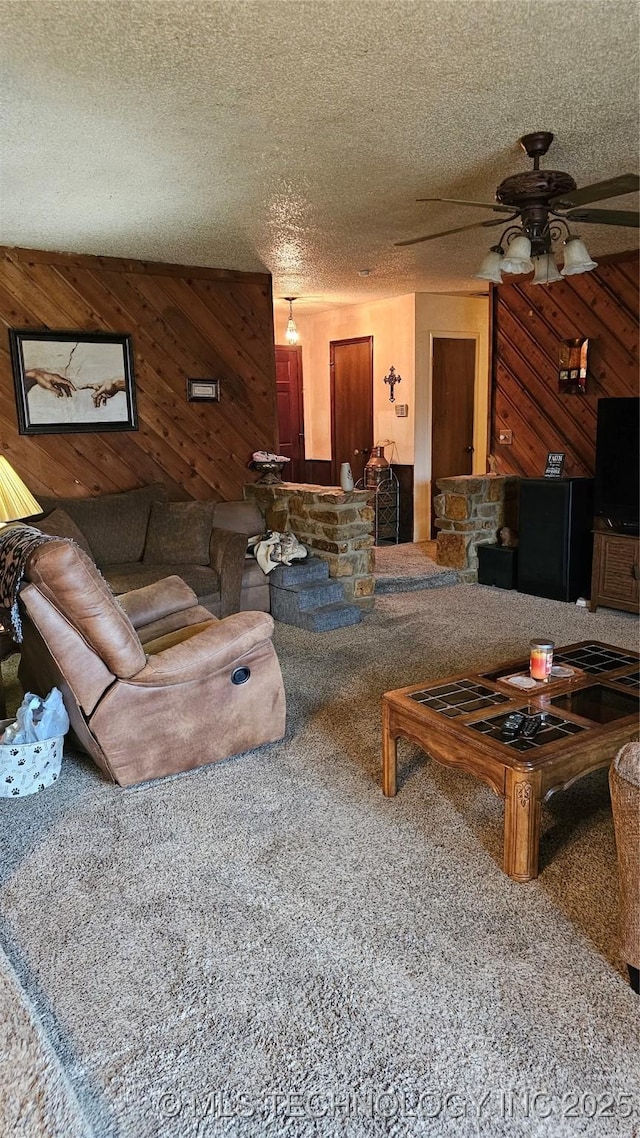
point(335, 524)
point(470, 511)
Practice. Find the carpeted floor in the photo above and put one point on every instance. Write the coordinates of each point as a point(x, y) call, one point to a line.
point(269, 947)
point(404, 568)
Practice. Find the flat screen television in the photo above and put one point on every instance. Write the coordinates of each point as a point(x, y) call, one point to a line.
point(617, 484)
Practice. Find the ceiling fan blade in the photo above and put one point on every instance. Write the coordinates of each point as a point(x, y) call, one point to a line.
point(605, 217)
point(446, 232)
point(599, 191)
point(480, 205)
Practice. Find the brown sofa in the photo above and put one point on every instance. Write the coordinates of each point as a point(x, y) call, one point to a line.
point(153, 683)
point(624, 782)
point(138, 537)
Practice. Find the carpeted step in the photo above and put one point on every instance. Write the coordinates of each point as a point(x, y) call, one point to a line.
point(293, 606)
point(328, 617)
point(312, 569)
point(314, 594)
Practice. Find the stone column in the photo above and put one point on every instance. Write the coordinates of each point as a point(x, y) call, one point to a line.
point(334, 524)
point(470, 511)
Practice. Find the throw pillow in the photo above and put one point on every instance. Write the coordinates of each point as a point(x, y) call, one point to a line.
point(59, 524)
point(179, 533)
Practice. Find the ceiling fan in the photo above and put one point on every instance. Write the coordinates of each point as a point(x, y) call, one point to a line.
point(541, 203)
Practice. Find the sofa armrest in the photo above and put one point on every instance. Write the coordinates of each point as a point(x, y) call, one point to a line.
point(227, 551)
point(220, 645)
point(152, 602)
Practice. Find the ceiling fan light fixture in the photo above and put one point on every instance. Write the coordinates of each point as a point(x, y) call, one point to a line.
point(291, 335)
point(576, 258)
point(546, 270)
point(518, 256)
point(490, 268)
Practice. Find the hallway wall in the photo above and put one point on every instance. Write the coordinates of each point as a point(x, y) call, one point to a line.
point(392, 324)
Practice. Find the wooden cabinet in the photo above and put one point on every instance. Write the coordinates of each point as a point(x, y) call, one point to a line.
point(616, 572)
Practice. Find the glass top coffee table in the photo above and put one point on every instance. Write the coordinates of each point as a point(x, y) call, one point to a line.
point(586, 718)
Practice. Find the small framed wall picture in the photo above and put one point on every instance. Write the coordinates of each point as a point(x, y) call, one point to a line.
point(555, 464)
point(203, 390)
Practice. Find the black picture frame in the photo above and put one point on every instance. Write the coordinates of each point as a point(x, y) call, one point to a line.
point(68, 382)
point(203, 390)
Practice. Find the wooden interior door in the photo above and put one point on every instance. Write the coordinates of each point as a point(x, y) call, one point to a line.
point(351, 364)
point(290, 410)
point(453, 384)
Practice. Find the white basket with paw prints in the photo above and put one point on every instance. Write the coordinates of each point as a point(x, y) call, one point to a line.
point(26, 768)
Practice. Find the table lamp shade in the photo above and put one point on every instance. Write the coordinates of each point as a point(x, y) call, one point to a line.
point(16, 501)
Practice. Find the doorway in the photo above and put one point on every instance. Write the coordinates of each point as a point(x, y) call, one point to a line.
point(290, 410)
point(351, 368)
point(453, 384)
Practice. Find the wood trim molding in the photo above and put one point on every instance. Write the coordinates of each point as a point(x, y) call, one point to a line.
point(127, 265)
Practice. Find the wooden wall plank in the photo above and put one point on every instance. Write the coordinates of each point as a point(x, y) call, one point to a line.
point(529, 323)
point(185, 321)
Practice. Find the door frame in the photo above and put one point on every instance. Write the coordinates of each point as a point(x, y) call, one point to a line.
point(297, 350)
point(424, 425)
point(335, 466)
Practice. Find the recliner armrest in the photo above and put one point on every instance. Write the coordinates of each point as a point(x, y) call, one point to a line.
point(152, 602)
point(227, 551)
point(218, 646)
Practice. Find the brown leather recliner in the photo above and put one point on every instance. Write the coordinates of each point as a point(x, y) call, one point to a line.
point(152, 682)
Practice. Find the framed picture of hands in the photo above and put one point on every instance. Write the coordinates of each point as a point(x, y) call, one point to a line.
point(73, 381)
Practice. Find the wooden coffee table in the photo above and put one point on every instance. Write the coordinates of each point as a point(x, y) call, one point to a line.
point(457, 720)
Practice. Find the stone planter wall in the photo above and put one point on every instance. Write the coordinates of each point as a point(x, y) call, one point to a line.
point(470, 510)
point(336, 525)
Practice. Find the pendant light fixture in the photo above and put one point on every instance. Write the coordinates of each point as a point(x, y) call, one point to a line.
point(291, 335)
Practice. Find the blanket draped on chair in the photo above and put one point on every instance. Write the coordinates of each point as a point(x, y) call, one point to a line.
point(16, 544)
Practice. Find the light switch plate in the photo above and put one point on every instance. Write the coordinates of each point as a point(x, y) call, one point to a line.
point(505, 437)
point(402, 410)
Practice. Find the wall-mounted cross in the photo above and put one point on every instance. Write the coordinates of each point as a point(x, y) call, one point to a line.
point(392, 379)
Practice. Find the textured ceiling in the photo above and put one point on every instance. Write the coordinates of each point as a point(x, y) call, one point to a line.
point(295, 135)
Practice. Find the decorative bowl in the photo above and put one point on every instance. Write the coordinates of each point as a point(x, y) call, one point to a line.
point(270, 471)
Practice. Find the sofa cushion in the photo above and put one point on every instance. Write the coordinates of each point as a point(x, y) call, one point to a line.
point(133, 575)
point(179, 533)
point(115, 525)
point(59, 524)
point(252, 574)
point(243, 517)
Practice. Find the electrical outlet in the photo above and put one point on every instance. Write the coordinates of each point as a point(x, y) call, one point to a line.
point(402, 410)
point(505, 437)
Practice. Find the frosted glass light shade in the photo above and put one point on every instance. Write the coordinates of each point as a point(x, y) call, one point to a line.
point(291, 335)
point(517, 259)
point(490, 268)
point(576, 258)
point(546, 270)
point(15, 500)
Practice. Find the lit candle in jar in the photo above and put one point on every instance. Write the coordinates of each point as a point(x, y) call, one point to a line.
point(541, 659)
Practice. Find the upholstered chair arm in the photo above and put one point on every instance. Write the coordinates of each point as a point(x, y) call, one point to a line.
point(219, 646)
point(153, 602)
point(227, 551)
point(624, 781)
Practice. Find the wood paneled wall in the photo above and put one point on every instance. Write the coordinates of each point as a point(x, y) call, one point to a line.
point(528, 323)
point(185, 322)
